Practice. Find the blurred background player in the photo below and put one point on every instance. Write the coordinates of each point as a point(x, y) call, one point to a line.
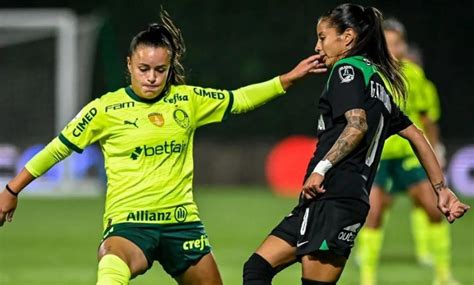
point(400, 171)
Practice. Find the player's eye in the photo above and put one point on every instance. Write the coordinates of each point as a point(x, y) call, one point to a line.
point(143, 68)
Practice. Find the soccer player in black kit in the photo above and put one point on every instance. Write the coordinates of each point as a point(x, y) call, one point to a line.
point(357, 114)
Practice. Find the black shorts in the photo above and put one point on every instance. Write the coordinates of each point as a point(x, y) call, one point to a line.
point(323, 225)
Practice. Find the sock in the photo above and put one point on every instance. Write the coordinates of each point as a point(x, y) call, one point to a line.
point(112, 271)
point(440, 245)
point(369, 244)
point(305, 281)
point(257, 271)
point(420, 231)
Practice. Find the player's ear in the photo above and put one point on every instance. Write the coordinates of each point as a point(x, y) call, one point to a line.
point(348, 37)
point(129, 64)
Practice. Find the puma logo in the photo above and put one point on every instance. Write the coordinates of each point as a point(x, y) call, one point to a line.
point(127, 122)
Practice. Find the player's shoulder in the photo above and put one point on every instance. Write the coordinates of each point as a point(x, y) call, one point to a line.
point(193, 91)
point(347, 67)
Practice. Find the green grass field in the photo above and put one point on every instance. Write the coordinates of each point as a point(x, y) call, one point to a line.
point(54, 241)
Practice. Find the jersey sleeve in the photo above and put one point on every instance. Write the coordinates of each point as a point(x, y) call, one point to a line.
point(399, 121)
point(210, 105)
point(86, 128)
point(346, 88)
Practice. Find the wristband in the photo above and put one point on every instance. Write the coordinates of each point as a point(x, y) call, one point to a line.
point(322, 167)
point(11, 191)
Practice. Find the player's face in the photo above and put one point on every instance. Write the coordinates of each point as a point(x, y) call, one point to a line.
point(331, 44)
point(149, 68)
point(396, 44)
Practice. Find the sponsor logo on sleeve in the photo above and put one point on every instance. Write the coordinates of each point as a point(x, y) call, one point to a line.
point(346, 73)
point(84, 122)
point(209, 94)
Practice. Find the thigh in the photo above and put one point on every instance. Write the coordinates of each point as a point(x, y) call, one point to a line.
point(379, 201)
point(323, 266)
point(278, 252)
point(204, 272)
point(181, 247)
point(331, 226)
point(423, 196)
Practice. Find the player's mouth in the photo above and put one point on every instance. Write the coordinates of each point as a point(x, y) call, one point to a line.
point(151, 87)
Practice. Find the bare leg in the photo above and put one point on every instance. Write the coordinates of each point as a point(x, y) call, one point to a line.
point(323, 267)
point(204, 272)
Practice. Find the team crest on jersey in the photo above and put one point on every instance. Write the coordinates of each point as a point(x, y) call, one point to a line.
point(157, 119)
point(346, 73)
point(181, 118)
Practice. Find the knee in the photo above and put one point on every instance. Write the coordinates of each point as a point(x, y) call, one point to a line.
point(305, 281)
point(112, 270)
point(258, 271)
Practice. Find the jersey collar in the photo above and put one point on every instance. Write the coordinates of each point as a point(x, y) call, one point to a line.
point(135, 97)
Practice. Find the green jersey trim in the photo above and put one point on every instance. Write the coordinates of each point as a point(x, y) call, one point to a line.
point(69, 144)
point(359, 62)
point(229, 107)
point(135, 97)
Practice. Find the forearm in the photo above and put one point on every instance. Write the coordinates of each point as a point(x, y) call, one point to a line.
point(350, 137)
point(252, 96)
point(431, 130)
point(20, 181)
point(426, 156)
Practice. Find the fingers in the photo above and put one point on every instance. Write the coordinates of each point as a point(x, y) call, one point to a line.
point(9, 216)
point(2, 218)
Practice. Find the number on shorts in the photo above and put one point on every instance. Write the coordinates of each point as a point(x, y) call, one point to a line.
point(305, 222)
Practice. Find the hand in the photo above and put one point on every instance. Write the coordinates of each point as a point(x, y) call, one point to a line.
point(313, 186)
point(450, 205)
point(8, 204)
point(312, 64)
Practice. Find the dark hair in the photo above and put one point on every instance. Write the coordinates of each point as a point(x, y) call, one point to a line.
point(370, 41)
point(164, 34)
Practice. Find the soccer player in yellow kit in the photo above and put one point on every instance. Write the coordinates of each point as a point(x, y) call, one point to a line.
point(146, 133)
point(400, 171)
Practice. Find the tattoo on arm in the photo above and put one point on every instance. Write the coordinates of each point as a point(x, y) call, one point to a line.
point(350, 137)
point(439, 186)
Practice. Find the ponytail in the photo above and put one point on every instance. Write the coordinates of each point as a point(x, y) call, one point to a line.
point(164, 34)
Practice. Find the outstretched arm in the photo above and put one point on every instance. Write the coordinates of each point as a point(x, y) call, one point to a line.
point(39, 164)
point(252, 96)
point(348, 140)
point(448, 203)
point(9, 196)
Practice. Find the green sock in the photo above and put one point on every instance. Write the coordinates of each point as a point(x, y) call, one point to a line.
point(112, 271)
point(420, 230)
point(440, 245)
point(369, 243)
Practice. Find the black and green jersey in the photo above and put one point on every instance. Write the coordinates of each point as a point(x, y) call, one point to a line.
point(354, 83)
